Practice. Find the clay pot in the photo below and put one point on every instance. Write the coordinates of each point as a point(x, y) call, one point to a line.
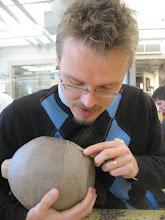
point(48, 162)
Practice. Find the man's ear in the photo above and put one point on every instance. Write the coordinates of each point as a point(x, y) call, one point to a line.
point(58, 64)
point(58, 61)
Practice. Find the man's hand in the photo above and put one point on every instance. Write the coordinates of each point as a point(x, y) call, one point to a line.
point(43, 210)
point(115, 158)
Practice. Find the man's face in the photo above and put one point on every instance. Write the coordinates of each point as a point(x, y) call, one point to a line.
point(84, 68)
point(160, 104)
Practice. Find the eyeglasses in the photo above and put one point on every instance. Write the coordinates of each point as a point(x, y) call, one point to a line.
point(80, 91)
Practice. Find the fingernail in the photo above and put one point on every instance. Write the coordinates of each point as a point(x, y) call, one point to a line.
point(85, 151)
point(54, 192)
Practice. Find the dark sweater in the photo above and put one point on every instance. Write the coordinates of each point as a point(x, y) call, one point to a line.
point(132, 116)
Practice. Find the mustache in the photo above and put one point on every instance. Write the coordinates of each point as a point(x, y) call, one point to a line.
point(94, 108)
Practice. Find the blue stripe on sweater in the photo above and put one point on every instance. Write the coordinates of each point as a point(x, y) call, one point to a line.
point(54, 112)
point(120, 186)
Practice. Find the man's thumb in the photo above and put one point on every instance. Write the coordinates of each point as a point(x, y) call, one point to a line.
point(49, 199)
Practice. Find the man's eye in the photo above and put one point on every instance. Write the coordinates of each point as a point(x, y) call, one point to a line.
point(105, 88)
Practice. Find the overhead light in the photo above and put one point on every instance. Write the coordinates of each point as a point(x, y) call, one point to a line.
point(25, 67)
point(21, 13)
point(41, 69)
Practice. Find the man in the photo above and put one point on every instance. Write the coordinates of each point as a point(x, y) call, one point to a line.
point(5, 100)
point(96, 43)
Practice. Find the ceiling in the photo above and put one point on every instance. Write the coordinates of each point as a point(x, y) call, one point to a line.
point(22, 23)
point(30, 22)
point(34, 22)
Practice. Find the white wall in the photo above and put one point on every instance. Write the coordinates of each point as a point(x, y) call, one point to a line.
point(13, 56)
point(24, 56)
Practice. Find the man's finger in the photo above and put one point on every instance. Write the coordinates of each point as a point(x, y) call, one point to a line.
point(108, 154)
point(81, 209)
point(96, 148)
point(48, 199)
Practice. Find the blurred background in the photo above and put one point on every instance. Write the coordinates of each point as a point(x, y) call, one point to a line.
point(28, 53)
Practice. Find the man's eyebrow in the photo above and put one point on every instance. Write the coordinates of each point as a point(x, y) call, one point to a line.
point(112, 83)
point(72, 77)
point(107, 84)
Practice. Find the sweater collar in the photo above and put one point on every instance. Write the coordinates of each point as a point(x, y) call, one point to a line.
point(61, 95)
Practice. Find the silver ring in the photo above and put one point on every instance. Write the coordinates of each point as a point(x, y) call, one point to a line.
point(115, 164)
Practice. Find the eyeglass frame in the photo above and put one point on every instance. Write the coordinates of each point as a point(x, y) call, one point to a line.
point(85, 91)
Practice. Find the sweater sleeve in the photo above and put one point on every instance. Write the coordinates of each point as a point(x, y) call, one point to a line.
point(10, 208)
point(137, 114)
point(152, 162)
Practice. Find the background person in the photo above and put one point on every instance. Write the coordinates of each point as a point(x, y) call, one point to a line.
point(159, 99)
point(5, 100)
point(92, 108)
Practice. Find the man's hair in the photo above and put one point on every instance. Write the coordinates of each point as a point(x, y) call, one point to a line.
point(102, 25)
point(159, 94)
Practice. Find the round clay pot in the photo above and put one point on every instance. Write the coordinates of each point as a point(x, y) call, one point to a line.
point(45, 163)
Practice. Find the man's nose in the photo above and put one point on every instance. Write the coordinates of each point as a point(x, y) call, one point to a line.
point(88, 99)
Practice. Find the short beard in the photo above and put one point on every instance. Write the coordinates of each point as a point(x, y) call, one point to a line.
point(81, 122)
